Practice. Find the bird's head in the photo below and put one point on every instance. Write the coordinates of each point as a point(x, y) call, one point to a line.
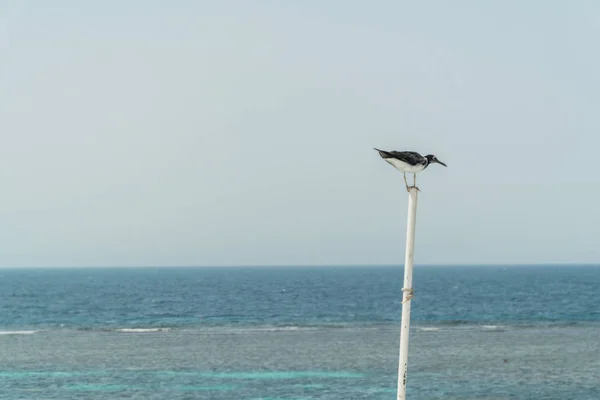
point(433, 159)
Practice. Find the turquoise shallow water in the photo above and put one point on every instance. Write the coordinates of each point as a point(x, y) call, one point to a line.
point(299, 333)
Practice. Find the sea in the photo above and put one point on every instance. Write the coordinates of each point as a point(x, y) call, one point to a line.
point(292, 333)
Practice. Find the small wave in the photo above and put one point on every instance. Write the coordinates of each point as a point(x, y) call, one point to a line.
point(142, 330)
point(279, 329)
point(289, 328)
point(428, 329)
point(17, 332)
point(252, 329)
point(492, 327)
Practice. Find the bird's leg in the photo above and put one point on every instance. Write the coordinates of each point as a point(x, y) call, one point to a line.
point(406, 182)
point(415, 182)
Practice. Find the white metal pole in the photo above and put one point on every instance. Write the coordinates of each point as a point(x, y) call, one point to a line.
point(407, 291)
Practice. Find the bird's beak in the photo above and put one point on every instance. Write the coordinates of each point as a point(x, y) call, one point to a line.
point(439, 162)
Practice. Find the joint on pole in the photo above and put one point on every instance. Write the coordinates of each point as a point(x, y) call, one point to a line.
point(409, 294)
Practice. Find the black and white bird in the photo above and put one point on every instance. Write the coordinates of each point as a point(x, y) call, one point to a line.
point(409, 161)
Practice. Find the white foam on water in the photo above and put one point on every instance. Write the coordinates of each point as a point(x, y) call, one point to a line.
point(142, 330)
point(250, 330)
point(492, 326)
point(428, 329)
point(286, 328)
point(17, 332)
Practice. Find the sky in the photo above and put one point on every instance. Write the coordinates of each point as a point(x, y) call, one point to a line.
point(242, 132)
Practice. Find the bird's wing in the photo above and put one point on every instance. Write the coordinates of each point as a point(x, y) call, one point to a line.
point(411, 157)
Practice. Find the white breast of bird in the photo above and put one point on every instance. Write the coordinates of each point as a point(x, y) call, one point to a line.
point(405, 167)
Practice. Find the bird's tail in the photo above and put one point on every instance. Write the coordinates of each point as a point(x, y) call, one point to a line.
point(383, 153)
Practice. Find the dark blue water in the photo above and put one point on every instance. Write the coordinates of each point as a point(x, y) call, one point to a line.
point(298, 333)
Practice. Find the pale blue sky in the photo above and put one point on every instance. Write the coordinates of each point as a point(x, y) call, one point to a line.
point(241, 133)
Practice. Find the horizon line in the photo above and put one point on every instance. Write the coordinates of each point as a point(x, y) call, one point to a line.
point(484, 265)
